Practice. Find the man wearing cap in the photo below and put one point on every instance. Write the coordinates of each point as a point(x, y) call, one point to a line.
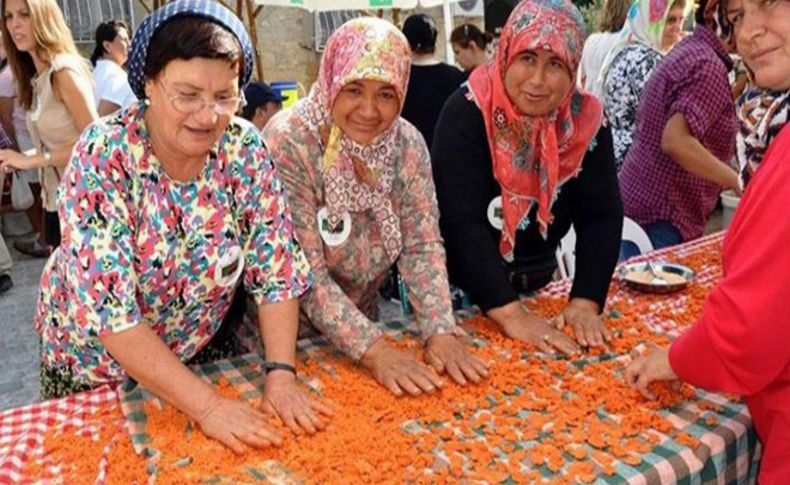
point(263, 102)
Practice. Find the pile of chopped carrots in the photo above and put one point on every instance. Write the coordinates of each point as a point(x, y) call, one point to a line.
point(535, 417)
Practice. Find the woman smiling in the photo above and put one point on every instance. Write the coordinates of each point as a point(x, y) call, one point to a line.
point(358, 177)
point(518, 157)
point(739, 344)
point(168, 207)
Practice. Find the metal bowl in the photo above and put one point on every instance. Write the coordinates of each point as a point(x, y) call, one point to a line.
point(629, 273)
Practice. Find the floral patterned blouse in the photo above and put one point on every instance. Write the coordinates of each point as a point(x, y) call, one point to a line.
point(623, 89)
point(348, 274)
point(141, 248)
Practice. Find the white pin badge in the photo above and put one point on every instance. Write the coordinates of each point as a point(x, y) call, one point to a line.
point(337, 235)
point(229, 267)
point(495, 213)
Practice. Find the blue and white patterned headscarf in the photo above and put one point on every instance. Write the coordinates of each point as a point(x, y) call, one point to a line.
point(207, 9)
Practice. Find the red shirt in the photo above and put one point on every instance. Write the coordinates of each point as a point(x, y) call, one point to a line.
point(741, 344)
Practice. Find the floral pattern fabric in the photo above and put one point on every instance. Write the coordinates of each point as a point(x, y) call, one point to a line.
point(378, 197)
point(362, 49)
point(534, 155)
point(342, 303)
point(141, 248)
point(763, 113)
point(623, 91)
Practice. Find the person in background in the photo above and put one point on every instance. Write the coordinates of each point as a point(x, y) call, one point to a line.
point(739, 345)
point(169, 207)
point(683, 140)
point(6, 283)
point(599, 44)
point(470, 46)
point(358, 177)
point(55, 88)
point(520, 155)
point(109, 57)
point(263, 102)
point(12, 119)
point(628, 66)
point(431, 81)
point(673, 26)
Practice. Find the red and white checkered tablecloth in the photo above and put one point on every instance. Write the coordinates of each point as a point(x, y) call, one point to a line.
point(22, 429)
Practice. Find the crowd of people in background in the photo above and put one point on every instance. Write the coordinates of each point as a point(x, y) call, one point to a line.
point(165, 188)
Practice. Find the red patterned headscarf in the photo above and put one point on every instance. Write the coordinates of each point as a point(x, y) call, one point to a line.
point(534, 156)
point(361, 49)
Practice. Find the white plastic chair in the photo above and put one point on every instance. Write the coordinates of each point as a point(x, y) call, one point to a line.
point(566, 252)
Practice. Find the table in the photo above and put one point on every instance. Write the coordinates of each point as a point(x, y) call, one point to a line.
point(504, 432)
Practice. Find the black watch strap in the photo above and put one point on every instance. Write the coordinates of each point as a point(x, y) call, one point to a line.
point(270, 366)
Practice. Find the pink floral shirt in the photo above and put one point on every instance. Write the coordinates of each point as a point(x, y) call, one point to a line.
point(347, 276)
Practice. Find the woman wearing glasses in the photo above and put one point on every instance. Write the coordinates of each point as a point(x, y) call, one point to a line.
point(167, 208)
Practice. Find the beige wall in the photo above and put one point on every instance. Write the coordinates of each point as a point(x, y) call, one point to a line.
point(285, 41)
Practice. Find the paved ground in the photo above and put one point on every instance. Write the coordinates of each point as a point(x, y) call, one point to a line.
point(19, 341)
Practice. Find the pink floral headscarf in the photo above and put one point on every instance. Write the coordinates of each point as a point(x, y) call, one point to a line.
point(362, 49)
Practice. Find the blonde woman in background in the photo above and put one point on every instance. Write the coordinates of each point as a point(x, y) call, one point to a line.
point(12, 117)
point(55, 88)
point(600, 43)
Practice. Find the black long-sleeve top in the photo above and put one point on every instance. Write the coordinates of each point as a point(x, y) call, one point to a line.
point(429, 87)
point(465, 185)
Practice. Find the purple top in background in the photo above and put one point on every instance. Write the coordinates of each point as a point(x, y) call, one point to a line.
point(692, 80)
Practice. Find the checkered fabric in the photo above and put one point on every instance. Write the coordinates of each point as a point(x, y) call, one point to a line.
point(209, 9)
point(22, 429)
point(728, 451)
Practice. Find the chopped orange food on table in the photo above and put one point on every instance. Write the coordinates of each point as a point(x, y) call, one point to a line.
point(534, 417)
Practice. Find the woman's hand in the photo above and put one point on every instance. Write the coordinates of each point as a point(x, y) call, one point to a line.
point(283, 397)
point(446, 353)
point(11, 160)
point(517, 324)
point(646, 369)
point(236, 424)
point(582, 315)
point(399, 371)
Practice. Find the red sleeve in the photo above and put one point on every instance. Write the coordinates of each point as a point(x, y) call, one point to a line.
point(742, 341)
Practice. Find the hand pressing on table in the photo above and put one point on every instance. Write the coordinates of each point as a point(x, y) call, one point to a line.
point(519, 324)
point(583, 317)
point(283, 397)
point(446, 353)
point(236, 425)
point(399, 371)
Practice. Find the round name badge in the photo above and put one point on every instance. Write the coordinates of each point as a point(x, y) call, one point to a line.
point(333, 236)
point(495, 213)
point(229, 267)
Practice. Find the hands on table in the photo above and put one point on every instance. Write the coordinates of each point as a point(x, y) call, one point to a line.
point(583, 317)
point(237, 424)
point(401, 372)
point(517, 323)
point(649, 368)
point(580, 314)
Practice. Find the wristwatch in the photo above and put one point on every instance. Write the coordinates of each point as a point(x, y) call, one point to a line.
point(270, 366)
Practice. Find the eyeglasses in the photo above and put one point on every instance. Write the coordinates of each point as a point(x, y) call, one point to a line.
point(189, 104)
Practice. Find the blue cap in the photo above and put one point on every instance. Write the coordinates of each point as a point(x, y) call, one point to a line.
point(259, 93)
point(208, 9)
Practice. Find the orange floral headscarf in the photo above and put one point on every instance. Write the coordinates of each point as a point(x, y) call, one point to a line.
point(534, 156)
